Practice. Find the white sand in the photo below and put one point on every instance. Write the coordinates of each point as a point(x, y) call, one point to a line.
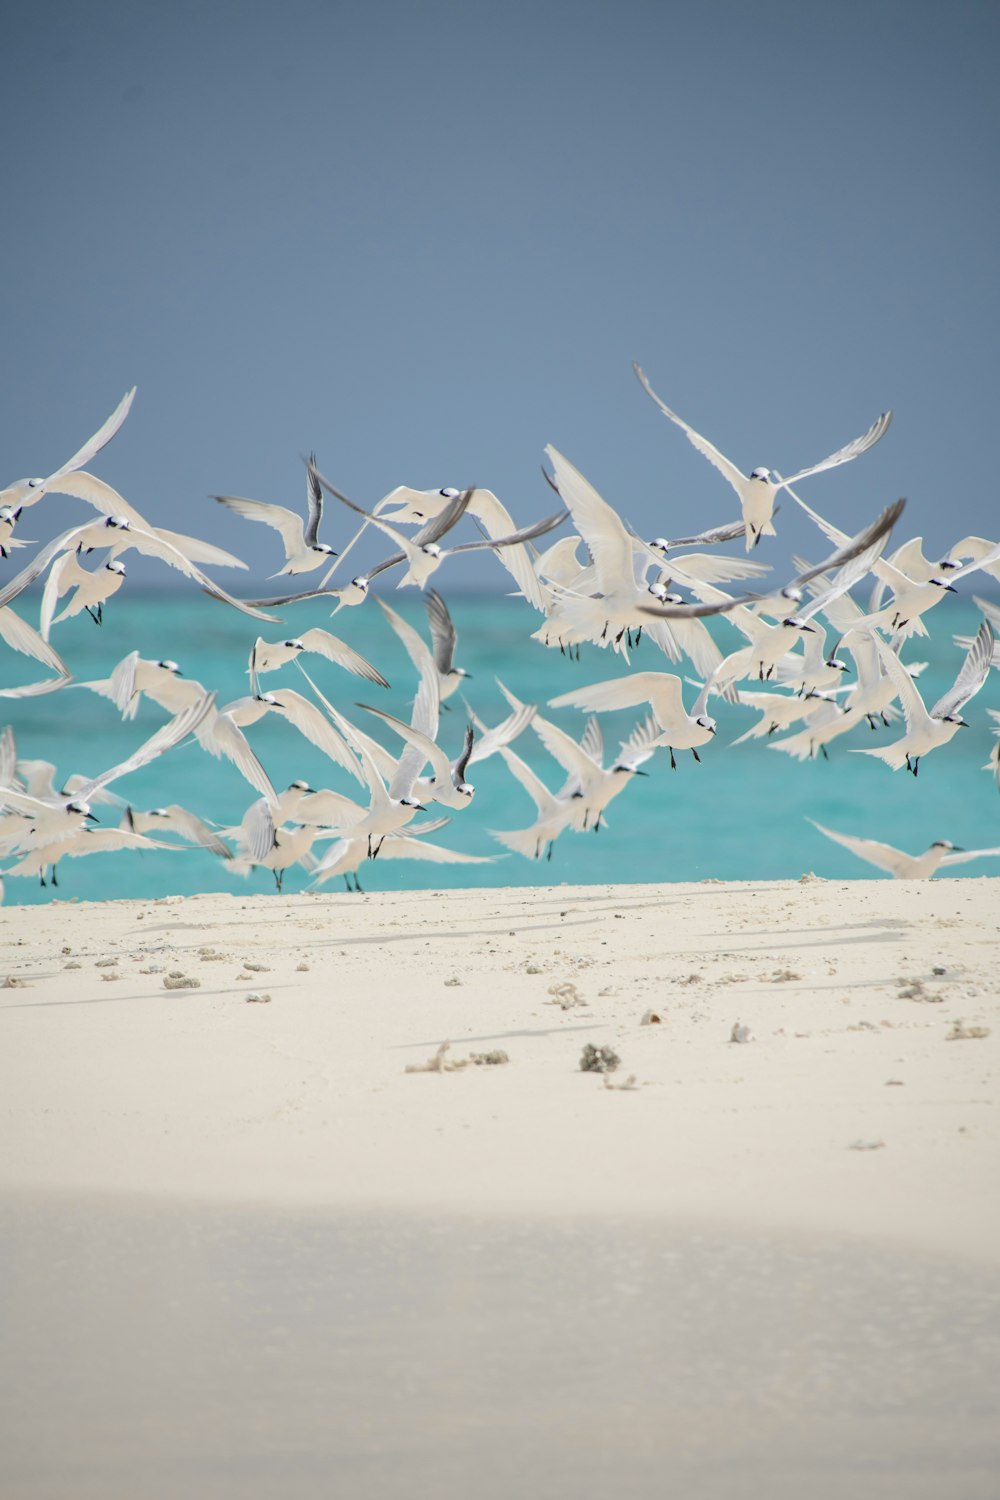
point(110, 1082)
point(247, 1254)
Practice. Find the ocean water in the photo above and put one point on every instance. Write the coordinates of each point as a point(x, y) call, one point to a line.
point(739, 815)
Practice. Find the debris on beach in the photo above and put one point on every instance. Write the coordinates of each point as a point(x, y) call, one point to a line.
point(962, 1033)
point(860, 1145)
point(627, 1085)
point(914, 989)
point(176, 980)
point(565, 995)
point(453, 983)
point(253, 997)
point(442, 1063)
point(598, 1059)
point(651, 1018)
point(740, 1034)
point(12, 983)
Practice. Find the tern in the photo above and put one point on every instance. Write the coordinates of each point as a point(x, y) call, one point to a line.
point(906, 866)
point(759, 489)
point(118, 534)
point(269, 656)
point(90, 590)
point(176, 819)
point(678, 729)
point(925, 731)
point(82, 842)
point(300, 539)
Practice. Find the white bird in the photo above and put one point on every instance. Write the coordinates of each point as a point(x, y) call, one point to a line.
point(108, 502)
point(759, 489)
point(553, 813)
point(389, 810)
point(444, 641)
point(926, 731)
point(679, 730)
point(348, 854)
point(118, 534)
point(179, 820)
point(83, 841)
point(303, 549)
point(906, 866)
point(262, 843)
point(269, 656)
point(90, 590)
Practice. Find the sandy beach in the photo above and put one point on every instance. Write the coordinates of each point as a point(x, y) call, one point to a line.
point(766, 1260)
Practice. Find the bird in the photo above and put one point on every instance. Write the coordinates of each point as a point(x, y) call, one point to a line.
point(269, 656)
point(926, 731)
point(662, 691)
point(444, 641)
point(179, 820)
point(758, 490)
point(303, 549)
point(118, 534)
point(90, 590)
point(347, 855)
point(261, 842)
point(906, 866)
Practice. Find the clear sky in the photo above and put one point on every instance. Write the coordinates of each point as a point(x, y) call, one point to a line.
point(427, 238)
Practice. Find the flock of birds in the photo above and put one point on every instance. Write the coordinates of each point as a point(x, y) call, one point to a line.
point(599, 584)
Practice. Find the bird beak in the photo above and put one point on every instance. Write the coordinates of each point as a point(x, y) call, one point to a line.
point(92, 816)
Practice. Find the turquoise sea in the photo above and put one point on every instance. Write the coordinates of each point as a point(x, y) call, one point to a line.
point(740, 815)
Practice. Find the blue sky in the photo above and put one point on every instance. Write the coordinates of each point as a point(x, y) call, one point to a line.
point(427, 239)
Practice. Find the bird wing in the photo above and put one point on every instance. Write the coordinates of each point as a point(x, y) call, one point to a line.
point(971, 676)
point(22, 637)
point(94, 444)
point(314, 504)
point(504, 733)
point(601, 527)
point(961, 856)
point(725, 467)
point(662, 690)
point(882, 856)
point(444, 637)
point(336, 650)
point(166, 737)
point(278, 517)
point(314, 725)
point(914, 709)
point(850, 450)
point(257, 830)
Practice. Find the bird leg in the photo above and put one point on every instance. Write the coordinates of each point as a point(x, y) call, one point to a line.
point(696, 755)
point(673, 763)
